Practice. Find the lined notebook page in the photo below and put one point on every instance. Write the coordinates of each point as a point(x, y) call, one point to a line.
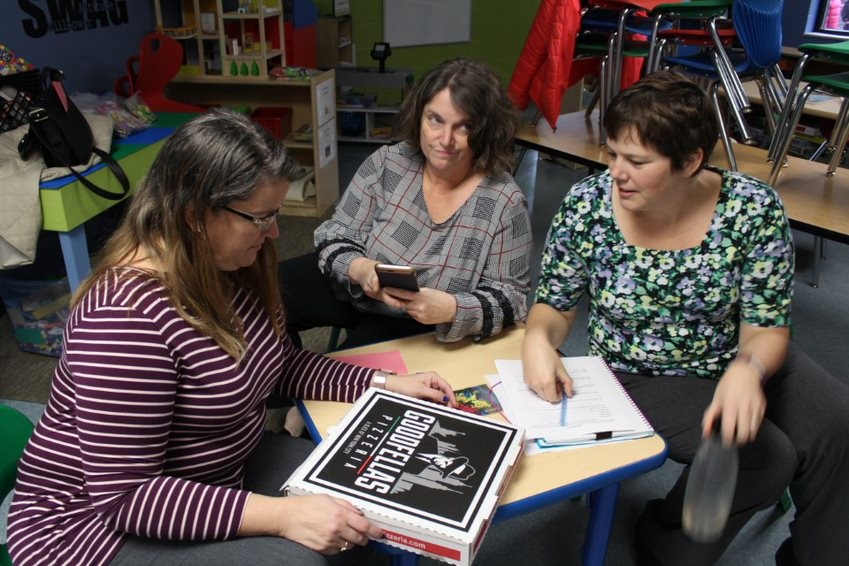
point(599, 409)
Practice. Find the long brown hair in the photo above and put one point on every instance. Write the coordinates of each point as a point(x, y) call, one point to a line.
point(208, 162)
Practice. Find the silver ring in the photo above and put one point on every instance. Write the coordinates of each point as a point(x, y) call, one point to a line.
point(344, 547)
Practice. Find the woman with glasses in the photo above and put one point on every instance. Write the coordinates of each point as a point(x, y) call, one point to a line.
point(151, 449)
point(443, 202)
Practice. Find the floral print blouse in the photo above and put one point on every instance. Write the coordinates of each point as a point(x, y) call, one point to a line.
point(671, 312)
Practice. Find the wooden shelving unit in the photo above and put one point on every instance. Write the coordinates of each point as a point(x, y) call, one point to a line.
point(375, 117)
point(312, 101)
point(225, 43)
point(335, 42)
point(369, 79)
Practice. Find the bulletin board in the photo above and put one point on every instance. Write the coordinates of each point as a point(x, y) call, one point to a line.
point(426, 22)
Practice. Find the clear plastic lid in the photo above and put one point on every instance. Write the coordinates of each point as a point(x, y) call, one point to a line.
point(710, 489)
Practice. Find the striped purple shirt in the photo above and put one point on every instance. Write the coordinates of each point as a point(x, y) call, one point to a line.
point(149, 424)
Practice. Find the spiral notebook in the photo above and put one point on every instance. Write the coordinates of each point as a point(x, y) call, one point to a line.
point(599, 411)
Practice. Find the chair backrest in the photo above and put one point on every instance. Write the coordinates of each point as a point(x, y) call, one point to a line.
point(758, 25)
point(15, 430)
point(160, 58)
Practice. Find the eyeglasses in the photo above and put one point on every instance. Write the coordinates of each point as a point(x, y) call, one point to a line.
point(263, 223)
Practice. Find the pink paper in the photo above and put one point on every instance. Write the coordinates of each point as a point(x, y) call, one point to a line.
point(392, 360)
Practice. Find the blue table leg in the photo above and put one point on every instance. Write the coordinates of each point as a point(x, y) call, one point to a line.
point(602, 508)
point(405, 559)
point(75, 254)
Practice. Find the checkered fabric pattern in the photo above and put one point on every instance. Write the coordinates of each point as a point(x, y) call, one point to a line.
point(480, 254)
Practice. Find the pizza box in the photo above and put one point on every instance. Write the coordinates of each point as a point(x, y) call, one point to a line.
point(430, 476)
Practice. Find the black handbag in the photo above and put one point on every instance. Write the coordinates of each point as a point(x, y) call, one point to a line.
point(60, 132)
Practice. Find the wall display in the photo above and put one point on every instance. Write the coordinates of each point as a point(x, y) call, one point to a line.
point(426, 22)
point(62, 17)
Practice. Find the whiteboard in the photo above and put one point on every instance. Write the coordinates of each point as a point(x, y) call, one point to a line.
point(425, 22)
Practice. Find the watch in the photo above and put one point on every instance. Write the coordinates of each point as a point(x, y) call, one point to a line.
point(378, 379)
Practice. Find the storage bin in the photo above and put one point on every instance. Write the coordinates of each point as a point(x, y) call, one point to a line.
point(275, 119)
point(24, 85)
point(38, 311)
point(352, 123)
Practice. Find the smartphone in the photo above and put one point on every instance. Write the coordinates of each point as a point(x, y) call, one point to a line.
point(400, 276)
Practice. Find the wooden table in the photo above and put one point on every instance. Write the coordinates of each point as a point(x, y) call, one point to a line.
point(828, 108)
point(815, 203)
point(540, 479)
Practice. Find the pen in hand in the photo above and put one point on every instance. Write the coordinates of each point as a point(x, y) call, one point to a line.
point(563, 410)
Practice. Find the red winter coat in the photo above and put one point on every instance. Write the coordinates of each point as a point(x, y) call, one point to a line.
point(546, 67)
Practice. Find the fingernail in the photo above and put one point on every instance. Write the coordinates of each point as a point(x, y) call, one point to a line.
point(445, 398)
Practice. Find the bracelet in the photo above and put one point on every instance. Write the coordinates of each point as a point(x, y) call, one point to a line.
point(753, 362)
point(379, 377)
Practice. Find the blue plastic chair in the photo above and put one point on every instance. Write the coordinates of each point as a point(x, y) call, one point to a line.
point(15, 430)
point(758, 27)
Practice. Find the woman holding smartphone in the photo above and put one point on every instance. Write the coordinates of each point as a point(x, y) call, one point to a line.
point(442, 202)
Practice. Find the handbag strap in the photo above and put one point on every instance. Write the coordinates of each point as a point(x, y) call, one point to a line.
point(107, 159)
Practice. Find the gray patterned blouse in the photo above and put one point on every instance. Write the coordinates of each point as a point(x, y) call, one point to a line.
point(480, 254)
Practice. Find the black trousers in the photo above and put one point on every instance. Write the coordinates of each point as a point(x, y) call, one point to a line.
point(274, 459)
point(309, 300)
point(803, 443)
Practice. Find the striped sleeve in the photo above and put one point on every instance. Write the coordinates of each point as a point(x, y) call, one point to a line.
point(126, 391)
point(311, 376)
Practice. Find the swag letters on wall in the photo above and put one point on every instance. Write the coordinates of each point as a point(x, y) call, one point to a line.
point(62, 16)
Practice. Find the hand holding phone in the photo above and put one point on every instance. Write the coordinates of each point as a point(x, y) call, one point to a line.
point(399, 276)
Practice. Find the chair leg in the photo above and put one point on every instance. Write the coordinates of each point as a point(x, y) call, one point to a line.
point(522, 152)
point(783, 144)
point(723, 132)
point(333, 342)
point(594, 101)
point(604, 99)
point(767, 104)
point(653, 41)
point(787, 108)
point(839, 135)
point(728, 78)
point(815, 270)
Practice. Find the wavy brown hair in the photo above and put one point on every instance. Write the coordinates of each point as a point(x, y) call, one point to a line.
point(207, 163)
point(476, 90)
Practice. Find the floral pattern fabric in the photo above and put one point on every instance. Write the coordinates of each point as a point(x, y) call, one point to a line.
point(671, 312)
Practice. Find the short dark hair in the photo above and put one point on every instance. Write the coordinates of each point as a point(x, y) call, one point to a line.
point(476, 90)
point(668, 112)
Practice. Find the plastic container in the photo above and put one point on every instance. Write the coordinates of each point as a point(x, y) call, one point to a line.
point(38, 311)
point(275, 119)
point(710, 490)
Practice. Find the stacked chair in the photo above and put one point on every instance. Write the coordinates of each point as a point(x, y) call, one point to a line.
point(836, 84)
point(612, 30)
point(753, 56)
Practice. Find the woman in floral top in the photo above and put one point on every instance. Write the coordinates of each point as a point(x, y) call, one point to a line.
point(689, 274)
